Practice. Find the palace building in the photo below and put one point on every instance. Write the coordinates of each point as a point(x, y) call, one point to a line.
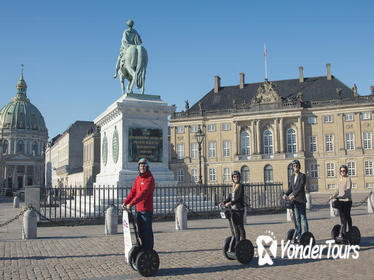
point(259, 128)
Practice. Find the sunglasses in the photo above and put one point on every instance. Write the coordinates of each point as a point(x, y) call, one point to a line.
point(343, 170)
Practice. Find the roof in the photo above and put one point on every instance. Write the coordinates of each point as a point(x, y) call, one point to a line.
point(312, 89)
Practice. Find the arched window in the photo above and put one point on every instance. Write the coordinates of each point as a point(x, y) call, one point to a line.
point(5, 146)
point(245, 147)
point(268, 173)
point(291, 141)
point(34, 148)
point(244, 174)
point(289, 171)
point(268, 142)
point(20, 146)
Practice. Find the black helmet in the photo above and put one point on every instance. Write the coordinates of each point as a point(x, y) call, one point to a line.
point(345, 167)
point(236, 172)
point(296, 162)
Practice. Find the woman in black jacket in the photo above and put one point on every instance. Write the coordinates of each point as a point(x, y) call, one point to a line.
point(236, 201)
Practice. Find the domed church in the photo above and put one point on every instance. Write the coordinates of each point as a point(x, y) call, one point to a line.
point(23, 136)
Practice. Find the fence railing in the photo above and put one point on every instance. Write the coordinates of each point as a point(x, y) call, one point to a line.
point(81, 202)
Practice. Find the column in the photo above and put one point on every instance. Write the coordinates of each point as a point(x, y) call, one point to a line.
point(281, 134)
point(258, 137)
point(14, 178)
point(235, 145)
point(252, 137)
point(300, 135)
point(188, 148)
point(25, 177)
point(276, 142)
point(6, 169)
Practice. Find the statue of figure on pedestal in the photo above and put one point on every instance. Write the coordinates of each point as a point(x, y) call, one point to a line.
point(132, 60)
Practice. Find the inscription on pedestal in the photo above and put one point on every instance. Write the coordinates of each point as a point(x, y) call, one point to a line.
point(145, 142)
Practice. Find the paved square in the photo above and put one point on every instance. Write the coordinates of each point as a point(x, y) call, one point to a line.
point(84, 252)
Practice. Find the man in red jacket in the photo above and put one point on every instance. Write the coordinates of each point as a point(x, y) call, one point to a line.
point(141, 195)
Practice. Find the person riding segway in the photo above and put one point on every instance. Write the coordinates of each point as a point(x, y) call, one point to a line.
point(297, 203)
point(142, 257)
point(236, 246)
point(343, 202)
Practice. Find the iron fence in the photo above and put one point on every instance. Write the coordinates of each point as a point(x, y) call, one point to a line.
point(69, 203)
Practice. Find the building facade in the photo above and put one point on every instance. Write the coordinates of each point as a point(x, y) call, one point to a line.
point(260, 128)
point(23, 137)
point(64, 156)
point(91, 157)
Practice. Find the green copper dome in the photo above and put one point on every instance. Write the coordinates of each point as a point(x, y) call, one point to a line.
point(20, 113)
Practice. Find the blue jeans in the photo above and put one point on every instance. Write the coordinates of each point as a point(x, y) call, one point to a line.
point(144, 222)
point(300, 217)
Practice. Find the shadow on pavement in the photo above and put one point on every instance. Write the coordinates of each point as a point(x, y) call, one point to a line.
point(189, 251)
point(56, 257)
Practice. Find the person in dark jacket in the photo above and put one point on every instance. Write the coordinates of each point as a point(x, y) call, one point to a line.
point(236, 201)
point(141, 195)
point(296, 186)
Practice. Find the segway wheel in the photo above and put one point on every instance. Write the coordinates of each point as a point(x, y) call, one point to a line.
point(132, 257)
point(306, 237)
point(148, 263)
point(226, 247)
point(244, 251)
point(354, 236)
point(335, 233)
point(290, 234)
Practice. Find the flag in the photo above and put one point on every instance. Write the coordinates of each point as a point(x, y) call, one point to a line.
point(265, 50)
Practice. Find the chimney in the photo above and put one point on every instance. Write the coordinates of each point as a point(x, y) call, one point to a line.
point(242, 80)
point(301, 76)
point(328, 67)
point(217, 83)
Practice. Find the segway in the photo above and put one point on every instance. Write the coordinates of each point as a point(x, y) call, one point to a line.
point(291, 234)
point(352, 237)
point(146, 262)
point(244, 251)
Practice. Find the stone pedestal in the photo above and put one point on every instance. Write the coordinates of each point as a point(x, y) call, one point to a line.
point(134, 126)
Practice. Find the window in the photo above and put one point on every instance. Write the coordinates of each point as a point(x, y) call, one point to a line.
point(180, 129)
point(367, 139)
point(212, 174)
point(327, 119)
point(368, 168)
point(34, 149)
point(212, 147)
point(268, 174)
point(354, 185)
point(245, 147)
point(330, 166)
point(365, 116)
point(291, 141)
point(268, 142)
point(194, 150)
point(290, 171)
point(314, 170)
point(370, 185)
point(180, 175)
point(226, 126)
point(194, 128)
point(244, 174)
point(20, 146)
point(351, 168)
point(180, 151)
point(194, 175)
point(312, 120)
point(348, 117)
point(5, 146)
point(226, 148)
point(313, 144)
point(350, 141)
point(211, 127)
point(331, 186)
point(329, 140)
point(226, 174)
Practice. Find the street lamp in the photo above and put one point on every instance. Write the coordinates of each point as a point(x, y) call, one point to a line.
point(200, 135)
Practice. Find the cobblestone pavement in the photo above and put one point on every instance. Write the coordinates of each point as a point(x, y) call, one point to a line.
point(84, 252)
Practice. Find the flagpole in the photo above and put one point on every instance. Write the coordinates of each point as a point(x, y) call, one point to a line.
point(266, 64)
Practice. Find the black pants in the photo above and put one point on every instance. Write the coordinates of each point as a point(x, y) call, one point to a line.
point(237, 222)
point(345, 216)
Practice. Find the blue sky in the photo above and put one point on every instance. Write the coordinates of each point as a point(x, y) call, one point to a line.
point(69, 48)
